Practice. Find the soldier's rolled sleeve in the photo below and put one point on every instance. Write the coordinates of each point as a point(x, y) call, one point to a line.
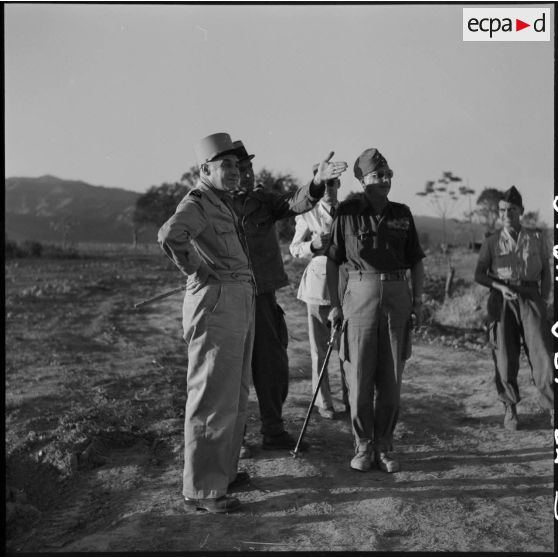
point(316, 191)
point(484, 260)
point(413, 250)
point(484, 264)
point(335, 250)
point(295, 203)
point(176, 234)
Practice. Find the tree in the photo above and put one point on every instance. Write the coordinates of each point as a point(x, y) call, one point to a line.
point(443, 197)
point(67, 225)
point(281, 184)
point(159, 202)
point(487, 208)
point(531, 219)
point(468, 192)
point(190, 177)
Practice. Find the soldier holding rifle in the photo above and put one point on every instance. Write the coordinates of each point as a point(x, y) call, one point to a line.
point(513, 262)
point(202, 239)
point(377, 241)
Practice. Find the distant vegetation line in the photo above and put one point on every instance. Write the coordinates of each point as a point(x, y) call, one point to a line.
point(53, 210)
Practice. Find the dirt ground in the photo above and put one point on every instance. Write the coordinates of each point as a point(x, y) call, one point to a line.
point(95, 394)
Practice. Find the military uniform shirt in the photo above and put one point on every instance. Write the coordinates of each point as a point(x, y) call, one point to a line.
point(204, 228)
point(368, 243)
point(511, 260)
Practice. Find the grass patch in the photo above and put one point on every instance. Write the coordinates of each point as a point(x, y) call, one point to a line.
point(465, 309)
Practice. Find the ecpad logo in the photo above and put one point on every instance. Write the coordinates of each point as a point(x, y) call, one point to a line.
point(506, 24)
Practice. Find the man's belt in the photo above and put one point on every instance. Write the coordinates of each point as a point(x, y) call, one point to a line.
point(519, 283)
point(396, 275)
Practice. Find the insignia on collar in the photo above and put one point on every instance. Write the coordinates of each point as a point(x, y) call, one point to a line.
point(195, 192)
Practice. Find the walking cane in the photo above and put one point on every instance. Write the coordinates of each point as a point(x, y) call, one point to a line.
point(330, 343)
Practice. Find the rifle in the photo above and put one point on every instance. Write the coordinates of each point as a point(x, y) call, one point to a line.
point(158, 297)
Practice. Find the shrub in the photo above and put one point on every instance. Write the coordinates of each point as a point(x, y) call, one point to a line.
point(34, 249)
point(466, 309)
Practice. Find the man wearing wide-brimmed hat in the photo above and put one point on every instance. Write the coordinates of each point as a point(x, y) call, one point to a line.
point(258, 211)
point(513, 262)
point(202, 239)
point(377, 241)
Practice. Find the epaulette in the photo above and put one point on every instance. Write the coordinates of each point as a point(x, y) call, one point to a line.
point(350, 204)
point(195, 193)
point(397, 206)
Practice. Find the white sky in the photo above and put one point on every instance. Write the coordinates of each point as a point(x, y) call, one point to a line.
point(117, 95)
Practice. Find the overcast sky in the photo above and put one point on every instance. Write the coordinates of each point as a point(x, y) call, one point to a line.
point(117, 95)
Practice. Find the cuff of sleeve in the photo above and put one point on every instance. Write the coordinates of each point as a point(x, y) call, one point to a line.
point(316, 191)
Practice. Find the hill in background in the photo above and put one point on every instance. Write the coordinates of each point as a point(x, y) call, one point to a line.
point(40, 209)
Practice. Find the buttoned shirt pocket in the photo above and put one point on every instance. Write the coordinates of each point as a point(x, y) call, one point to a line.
point(227, 237)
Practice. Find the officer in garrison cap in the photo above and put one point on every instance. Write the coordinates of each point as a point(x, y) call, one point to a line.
point(258, 210)
point(513, 263)
point(202, 239)
point(377, 241)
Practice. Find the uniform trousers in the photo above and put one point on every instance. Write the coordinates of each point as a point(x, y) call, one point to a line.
point(270, 363)
point(373, 345)
point(218, 324)
point(524, 318)
point(319, 334)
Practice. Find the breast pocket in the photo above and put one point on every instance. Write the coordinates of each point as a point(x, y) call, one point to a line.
point(227, 238)
point(396, 239)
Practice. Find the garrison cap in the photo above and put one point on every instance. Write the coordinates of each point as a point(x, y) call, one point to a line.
point(368, 161)
point(212, 146)
point(513, 196)
point(241, 150)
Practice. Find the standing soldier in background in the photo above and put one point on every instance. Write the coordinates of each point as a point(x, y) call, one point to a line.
point(258, 210)
point(513, 262)
point(311, 238)
point(202, 239)
point(378, 242)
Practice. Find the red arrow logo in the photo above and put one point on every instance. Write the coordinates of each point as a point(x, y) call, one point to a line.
point(519, 25)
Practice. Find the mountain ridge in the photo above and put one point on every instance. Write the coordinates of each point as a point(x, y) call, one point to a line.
point(39, 208)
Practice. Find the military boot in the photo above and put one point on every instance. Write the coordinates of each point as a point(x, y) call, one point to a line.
point(362, 460)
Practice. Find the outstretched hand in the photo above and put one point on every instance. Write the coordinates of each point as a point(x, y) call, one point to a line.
point(329, 170)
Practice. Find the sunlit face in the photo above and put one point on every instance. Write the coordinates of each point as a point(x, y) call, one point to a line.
point(223, 172)
point(510, 214)
point(246, 175)
point(378, 182)
point(331, 189)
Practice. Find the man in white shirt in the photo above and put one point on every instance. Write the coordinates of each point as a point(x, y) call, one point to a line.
point(310, 240)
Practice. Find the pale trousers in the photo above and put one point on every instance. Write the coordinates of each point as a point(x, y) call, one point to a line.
point(319, 334)
point(373, 345)
point(522, 319)
point(218, 326)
